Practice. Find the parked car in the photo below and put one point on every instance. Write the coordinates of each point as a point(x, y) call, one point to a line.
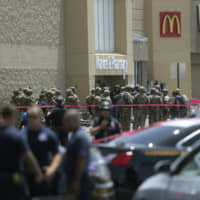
point(103, 187)
point(180, 180)
point(131, 158)
point(102, 184)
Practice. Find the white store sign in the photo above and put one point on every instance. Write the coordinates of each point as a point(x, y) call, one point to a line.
point(111, 63)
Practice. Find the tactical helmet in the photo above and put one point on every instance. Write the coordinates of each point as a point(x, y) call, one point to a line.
point(153, 90)
point(53, 89)
point(98, 89)
point(142, 89)
point(58, 92)
point(27, 91)
point(117, 86)
point(123, 88)
point(137, 88)
point(157, 87)
point(49, 93)
point(73, 89)
point(106, 92)
point(69, 92)
point(165, 91)
point(59, 101)
point(106, 105)
point(92, 90)
point(16, 92)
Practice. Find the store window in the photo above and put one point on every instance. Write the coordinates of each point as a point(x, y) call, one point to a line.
point(198, 17)
point(138, 72)
point(104, 26)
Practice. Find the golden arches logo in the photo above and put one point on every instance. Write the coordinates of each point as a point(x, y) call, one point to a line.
point(171, 21)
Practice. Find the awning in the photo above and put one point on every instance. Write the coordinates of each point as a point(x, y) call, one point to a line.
point(140, 47)
point(139, 38)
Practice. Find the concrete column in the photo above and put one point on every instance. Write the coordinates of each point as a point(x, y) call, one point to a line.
point(79, 44)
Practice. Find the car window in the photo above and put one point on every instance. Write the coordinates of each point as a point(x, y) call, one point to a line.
point(190, 140)
point(192, 167)
point(161, 135)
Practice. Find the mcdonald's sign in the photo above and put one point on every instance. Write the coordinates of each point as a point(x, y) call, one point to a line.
point(170, 24)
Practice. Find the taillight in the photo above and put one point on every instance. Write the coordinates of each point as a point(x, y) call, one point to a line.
point(123, 159)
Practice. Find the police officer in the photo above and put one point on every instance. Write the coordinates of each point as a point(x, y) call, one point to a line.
point(76, 159)
point(173, 110)
point(106, 96)
point(125, 112)
point(154, 112)
point(182, 100)
point(14, 150)
point(105, 125)
point(140, 112)
point(90, 101)
point(165, 100)
point(45, 146)
point(97, 99)
point(55, 119)
point(116, 98)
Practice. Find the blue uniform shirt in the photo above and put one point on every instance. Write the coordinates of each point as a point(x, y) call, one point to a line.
point(43, 143)
point(12, 147)
point(77, 147)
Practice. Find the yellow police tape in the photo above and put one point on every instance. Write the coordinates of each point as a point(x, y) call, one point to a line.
point(163, 153)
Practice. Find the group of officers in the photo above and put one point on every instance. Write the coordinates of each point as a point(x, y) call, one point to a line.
point(33, 161)
point(131, 104)
point(25, 97)
point(122, 97)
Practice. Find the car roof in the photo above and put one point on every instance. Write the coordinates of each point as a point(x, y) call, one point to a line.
point(183, 123)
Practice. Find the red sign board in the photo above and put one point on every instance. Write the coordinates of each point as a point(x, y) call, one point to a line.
point(170, 24)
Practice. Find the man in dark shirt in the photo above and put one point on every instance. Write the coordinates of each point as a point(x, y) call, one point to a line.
point(55, 119)
point(105, 125)
point(45, 146)
point(77, 158)
point(14, 150)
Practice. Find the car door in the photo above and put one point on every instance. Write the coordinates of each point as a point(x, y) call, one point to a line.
point(185, 184)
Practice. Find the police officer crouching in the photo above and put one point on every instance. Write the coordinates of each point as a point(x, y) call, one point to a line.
point(13, 152)
point(45, 146)
point(105, 125)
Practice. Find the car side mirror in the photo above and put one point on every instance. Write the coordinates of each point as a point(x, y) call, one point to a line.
point(162, 166)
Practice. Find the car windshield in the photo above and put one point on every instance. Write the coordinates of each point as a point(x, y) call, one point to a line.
point(161, 135)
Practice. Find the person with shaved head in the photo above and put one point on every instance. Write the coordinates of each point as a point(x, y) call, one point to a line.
point(13, 150)
point(77, 157)
point(45, 146)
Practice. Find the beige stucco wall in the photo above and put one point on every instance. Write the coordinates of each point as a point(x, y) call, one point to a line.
point(31, 45)
point(164, 51)
point(138, 16)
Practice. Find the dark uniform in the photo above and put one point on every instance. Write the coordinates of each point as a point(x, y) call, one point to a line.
point(12, 147)
point(78, 146)
point(44, 144)
point(55, 121)
point(112, 128)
